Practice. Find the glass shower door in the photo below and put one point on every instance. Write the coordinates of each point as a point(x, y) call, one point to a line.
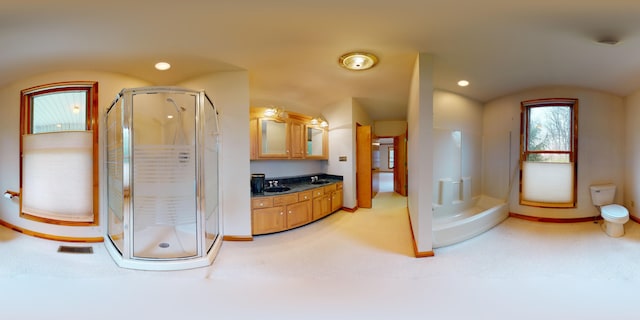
point(165, 215)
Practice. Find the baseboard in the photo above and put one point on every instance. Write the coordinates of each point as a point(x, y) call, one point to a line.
point(237, 238)
point(50, 236)
point(553, 220)
point(416, 253)
point(350, 209)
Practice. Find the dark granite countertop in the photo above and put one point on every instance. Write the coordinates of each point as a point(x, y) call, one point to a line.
point(298, 184)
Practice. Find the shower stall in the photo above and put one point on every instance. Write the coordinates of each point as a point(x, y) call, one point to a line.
point(162, 168)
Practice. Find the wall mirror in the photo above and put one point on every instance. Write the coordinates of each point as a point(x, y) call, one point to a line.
point(315, 141)
point(273, 136)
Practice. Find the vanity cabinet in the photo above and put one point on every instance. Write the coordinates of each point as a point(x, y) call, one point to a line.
point(274, 214)
point(321, 203)
point(288, 137)
point(288, 211)
point(336, 197)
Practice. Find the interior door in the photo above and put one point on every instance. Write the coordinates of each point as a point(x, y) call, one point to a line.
point(364, 185)
point(400, 164)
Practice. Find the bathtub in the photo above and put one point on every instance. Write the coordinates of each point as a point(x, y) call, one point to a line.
point(462, 221)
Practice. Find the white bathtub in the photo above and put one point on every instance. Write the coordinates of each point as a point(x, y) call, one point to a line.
point(453, 224)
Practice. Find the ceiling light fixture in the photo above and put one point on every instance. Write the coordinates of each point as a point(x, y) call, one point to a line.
point(162, 66)
point(463, 83)
point(609, 40)
point(358, 61)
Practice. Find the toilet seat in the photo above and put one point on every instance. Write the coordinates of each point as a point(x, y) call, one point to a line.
point(615, 213)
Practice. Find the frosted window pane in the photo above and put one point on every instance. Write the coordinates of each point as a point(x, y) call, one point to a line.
point(547, 182)
point(57, 177)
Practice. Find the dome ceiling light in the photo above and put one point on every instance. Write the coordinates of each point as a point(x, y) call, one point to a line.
point(463, 83)
point(358, 61)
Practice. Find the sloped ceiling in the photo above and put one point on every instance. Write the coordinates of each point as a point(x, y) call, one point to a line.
point(290, 48)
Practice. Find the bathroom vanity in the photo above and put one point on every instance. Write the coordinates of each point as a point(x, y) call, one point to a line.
point(293, 203)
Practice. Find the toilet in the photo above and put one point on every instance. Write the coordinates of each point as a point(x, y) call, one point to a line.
point(614, 215)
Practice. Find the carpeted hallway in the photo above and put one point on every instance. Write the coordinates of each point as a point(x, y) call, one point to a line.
point(347, 266)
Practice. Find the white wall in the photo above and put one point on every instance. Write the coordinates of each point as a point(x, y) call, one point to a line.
point(601, 148)
point(632, 148)
point(390, 128)
point(341, 143)
point(229, 92)
point(286, 168)
point(419, 156)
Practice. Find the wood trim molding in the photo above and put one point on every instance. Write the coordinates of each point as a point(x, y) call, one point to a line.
point(49, 236)
point(416, 253)
point(634, 218)
point(352, 210)
point(237, 238)
point(553, 220)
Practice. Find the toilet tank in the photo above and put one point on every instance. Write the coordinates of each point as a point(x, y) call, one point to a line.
point(602, 195)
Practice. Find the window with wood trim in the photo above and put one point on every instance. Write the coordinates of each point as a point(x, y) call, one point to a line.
point(549, 153)
point(391, 157)
point(59, 152)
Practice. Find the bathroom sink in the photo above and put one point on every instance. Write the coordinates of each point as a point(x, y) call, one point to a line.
point(277, 189)
point(320, 182)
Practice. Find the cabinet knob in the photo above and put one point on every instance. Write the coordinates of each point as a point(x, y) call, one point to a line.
point(289, 211)
point(281, 213)
point(261, 204)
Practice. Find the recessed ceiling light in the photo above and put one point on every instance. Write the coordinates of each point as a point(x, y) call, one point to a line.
point(163, 66)
point(463, 83)
point(358, 61)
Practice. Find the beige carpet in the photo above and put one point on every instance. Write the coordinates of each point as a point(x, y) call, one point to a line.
point(346, 266)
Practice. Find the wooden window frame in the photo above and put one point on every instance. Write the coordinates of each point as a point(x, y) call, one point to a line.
point(525, 108)
point(92, 119)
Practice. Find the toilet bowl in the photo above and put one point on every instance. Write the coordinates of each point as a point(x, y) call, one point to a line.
point(615, 216)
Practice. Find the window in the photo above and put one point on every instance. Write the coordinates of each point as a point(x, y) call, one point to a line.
point(548, 159)
point(391, 158)
point(58, 143)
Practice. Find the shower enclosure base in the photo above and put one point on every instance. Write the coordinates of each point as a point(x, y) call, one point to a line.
point(165, 242)
point(161, 264)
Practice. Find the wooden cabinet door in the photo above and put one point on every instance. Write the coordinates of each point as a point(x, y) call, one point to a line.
point(298, 214)
point(268, 220)
point(297, 139)
point(336, 200)
point(321, 206)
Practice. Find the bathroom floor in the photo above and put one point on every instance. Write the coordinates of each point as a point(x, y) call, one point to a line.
point(346, 266)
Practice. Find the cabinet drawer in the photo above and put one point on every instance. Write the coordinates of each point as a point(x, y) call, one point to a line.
point(285, 199)
point(317, 192)
point(330, 188)
point(304, 195)
point(262, 202)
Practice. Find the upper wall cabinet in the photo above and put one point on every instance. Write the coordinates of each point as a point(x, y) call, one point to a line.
point(280, 135)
